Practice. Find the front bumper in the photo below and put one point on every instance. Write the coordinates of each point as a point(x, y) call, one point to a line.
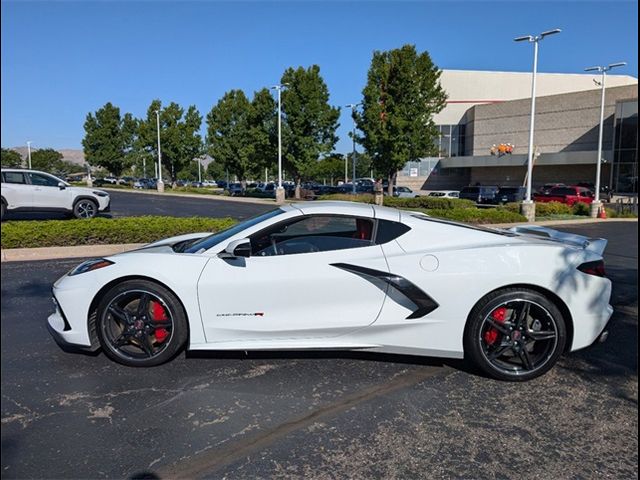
point(106, 207)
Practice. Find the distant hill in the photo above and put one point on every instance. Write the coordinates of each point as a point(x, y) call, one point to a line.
point(69, 155)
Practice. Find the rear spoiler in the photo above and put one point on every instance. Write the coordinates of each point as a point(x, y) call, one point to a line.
point(595, 245)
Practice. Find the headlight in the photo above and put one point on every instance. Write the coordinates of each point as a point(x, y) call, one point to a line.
point(100, 194)
point(90, 265)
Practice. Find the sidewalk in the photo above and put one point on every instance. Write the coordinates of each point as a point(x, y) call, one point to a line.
point(87, 251)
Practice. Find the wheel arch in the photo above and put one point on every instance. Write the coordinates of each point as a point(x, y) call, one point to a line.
point(93, 307)
point(85, 197)
point(552, 296)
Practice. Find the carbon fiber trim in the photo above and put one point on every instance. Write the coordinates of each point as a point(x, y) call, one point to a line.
point(424, 302)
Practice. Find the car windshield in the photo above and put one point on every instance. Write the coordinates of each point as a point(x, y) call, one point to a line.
point(212, 240)
point(470, 190)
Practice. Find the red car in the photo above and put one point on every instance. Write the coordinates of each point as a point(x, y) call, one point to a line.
point(568, 195)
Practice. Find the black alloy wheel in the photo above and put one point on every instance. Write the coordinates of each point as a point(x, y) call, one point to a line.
point(85, 208)
point(141, 324)
point(515, 335)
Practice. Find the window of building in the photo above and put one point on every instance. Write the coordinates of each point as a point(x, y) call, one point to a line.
point(624, 174)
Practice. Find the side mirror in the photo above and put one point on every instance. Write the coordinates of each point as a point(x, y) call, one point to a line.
point(62, 185)
point(237, 248)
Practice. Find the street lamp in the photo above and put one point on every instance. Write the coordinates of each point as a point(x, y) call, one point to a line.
point(528, 207)
point(280, 190)
point(29, 153)
point(596, 205)
point(160, 184)
point(352, 106)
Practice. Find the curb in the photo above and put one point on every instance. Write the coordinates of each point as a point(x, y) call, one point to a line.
point(51, 253)
point(84, 251)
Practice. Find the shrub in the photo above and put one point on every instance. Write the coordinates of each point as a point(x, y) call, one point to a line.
point(97, 231)
point(429, 203)
point(476, 215)
point(581, 209)
point(361, 198)
point(547, 209)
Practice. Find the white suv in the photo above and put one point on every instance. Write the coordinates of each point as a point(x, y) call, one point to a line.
point(34, 191)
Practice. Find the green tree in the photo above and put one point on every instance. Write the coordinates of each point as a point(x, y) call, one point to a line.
point(401, 96)
point(215, 171)
point(47, 160)
point(330, 167)
point(10, 158)
point(109, 138)
point(263, 132)
point(180, 141)
point(309, 124)
point(229, 136)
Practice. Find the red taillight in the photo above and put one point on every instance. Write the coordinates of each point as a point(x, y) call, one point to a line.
point(593, 268)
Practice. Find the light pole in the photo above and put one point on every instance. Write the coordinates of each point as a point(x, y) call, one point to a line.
point(352, 106)
point(280, 190)
point(29, 153)
point(528, 207)
point(160, 184)
point(597, 204)
point(199, 173)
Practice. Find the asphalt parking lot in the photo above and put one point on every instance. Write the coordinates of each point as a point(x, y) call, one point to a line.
point(130, 204)
point(314, 415)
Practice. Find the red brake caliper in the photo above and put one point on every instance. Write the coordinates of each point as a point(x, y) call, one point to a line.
point(491, 335)
point(158, 314)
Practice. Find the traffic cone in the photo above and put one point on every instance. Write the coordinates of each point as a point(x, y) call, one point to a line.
point(602, 213)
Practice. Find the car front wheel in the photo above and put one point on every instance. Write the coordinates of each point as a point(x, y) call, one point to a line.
point(85, 208)
point(515, 334)
point(141, 324)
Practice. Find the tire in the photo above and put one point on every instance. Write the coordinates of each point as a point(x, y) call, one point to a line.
point(3, 210)
point(85, 208)
point(515, 334)
point(141, 335)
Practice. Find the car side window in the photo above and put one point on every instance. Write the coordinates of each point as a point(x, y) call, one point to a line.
point(43, 180)
point(13, 177)
point(315, 233)
point(388, 230)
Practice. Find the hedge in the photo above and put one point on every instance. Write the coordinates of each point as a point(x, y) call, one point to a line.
point(418, 202)
point(98, 231)
point(476, 215)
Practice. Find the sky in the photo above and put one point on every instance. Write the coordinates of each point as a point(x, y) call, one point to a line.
point(61, 60)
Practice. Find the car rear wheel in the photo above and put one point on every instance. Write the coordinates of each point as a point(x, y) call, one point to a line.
point(85, 208)
point(515, 334)
point(141, 324)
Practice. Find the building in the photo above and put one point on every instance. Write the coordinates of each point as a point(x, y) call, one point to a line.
point(484, 132)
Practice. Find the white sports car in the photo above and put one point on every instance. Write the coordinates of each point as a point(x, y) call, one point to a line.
point(334, 275)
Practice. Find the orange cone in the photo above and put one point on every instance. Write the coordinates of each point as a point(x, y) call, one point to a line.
point(602, 213)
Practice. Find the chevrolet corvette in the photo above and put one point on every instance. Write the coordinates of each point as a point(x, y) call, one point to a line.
point(344, 276)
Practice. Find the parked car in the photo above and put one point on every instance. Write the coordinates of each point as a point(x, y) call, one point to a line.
point(196, 184)
point(144, 184)
point(34, 191)
point(235, 189)
point(445, 194)
point(605, 191)
point(510, 194)
point(111, 179)
point(221, 184)
point(569, 195)
point(233, 290)
point(546, 188)
point(481, 194)
point(403, 192)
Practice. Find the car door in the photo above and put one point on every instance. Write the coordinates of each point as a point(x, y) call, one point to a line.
point(46, 192)
point(16, 190)
point(303, 281)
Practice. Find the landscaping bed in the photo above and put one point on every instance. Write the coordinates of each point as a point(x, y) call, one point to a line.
point(101, 231)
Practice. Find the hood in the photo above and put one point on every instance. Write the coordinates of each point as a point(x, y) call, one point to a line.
point(595, 245)
point(167, 245)
point(88, 190)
